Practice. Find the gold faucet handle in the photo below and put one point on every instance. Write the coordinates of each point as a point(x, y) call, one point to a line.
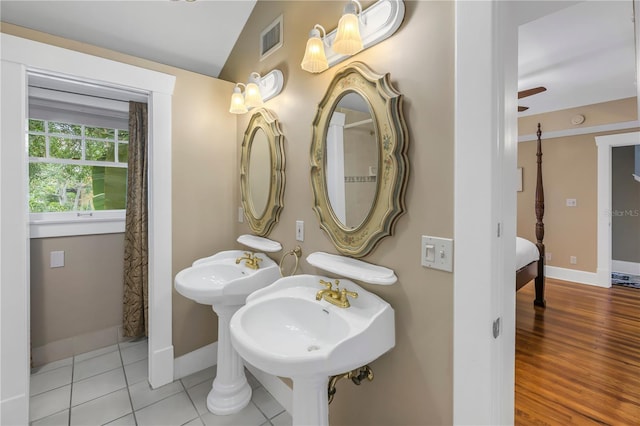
point(247, 255)
point(344, 293)
point(328, 284)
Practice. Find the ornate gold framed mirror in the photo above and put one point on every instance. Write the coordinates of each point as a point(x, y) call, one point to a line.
point(359, 164)
point(262, 172)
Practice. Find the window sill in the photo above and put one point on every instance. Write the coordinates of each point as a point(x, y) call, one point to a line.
point(47, 225)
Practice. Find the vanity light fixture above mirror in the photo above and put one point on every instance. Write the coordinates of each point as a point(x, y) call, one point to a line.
point(257, 91)
point(355, 33)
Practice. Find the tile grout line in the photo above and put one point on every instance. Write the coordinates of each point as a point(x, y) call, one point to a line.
point(73, 370)
point(126, 384)
point(192, 403)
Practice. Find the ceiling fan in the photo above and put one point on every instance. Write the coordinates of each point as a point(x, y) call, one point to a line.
point(529, 92)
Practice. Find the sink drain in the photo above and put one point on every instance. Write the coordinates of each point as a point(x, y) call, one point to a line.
point(313, 348)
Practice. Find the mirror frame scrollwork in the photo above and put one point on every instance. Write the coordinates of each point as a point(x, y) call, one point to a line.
point(267, 121)
point(385, 104)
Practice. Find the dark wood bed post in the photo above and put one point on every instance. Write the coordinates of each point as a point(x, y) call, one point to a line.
point(539, 207)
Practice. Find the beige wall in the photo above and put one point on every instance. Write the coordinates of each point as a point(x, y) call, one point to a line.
point(413, 383)
point(204, 145)
point(569, 171)
point(82, 298)
point(625, 206)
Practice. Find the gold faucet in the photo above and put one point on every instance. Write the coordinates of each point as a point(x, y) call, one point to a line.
point(251, 261)
point(335, 296)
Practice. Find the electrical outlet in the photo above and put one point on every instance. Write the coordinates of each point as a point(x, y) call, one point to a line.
point(547, 256)
point(240, 214)
point(573, 260)
point(572, 202)
point(299, 230)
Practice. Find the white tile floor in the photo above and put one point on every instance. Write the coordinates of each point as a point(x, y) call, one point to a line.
point(109, 386)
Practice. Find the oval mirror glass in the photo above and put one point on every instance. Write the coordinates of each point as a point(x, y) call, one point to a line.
point(259, 173)
point(262, 172)
point(351, 160)
point(359, 189)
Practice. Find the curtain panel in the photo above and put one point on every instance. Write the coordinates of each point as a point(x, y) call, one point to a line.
point(136, 299)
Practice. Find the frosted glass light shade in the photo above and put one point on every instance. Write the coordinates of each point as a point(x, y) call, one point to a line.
point(348, 40)
point(314, 60)
point(252, 96)
point(237, 102)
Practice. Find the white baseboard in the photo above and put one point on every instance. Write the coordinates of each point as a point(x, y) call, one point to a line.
point(276, 387)
point(14, 410)
point(194, 361)
point(161, 362)
point(582, 277)
point(625, 267)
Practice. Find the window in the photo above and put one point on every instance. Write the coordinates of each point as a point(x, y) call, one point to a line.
point(76, 173)
point(77, 141)
point(76, 168)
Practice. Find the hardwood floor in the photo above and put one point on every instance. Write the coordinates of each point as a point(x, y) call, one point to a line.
point(578, 360)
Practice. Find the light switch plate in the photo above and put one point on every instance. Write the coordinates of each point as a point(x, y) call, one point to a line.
point(437, 253)
point(57, 259)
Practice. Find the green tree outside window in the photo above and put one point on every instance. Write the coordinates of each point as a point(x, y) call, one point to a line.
point(67, 182)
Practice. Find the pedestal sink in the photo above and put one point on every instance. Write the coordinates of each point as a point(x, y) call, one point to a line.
point(283, 330)
point(224, 283)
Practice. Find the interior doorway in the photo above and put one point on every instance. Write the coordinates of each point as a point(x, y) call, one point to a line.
point(19, 56)
point(606, 212)
point(625, 215)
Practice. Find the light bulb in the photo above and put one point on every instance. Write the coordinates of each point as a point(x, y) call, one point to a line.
point(348, 40)
point(314, 60)
point(237, 102)
point(252, 96)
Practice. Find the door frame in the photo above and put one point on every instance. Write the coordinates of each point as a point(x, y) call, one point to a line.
point(19, 56)
point(605, 145)
point(484, 212)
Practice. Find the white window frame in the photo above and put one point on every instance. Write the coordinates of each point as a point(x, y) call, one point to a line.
point(60, 224)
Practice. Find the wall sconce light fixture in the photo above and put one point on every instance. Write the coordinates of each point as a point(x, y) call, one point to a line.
point(355, 32)
point(348, 40)
point(315, 60)
point(257, 91)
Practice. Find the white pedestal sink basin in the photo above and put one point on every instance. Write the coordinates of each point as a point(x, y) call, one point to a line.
point(283, 330)
point(224, 284)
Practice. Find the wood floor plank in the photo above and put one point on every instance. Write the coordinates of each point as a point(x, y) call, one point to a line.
point(578, 360)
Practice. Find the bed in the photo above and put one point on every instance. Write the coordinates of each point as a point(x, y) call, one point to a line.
point(529, 255)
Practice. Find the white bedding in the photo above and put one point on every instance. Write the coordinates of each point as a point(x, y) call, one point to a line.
point(526, 252)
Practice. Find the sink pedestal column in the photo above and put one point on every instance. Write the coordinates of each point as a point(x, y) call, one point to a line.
point(310, 401)
point(230, 391)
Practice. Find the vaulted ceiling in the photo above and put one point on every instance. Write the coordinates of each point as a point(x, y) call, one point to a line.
point(193, 35)
point(581, 51)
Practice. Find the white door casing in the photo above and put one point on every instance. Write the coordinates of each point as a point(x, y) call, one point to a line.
point(484, 213)
point(605, 144)
point(19, 56)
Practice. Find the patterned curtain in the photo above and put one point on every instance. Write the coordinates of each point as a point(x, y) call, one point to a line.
point(135, 312)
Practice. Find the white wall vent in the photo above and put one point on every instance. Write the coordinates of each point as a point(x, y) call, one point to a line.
point(271, 38)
